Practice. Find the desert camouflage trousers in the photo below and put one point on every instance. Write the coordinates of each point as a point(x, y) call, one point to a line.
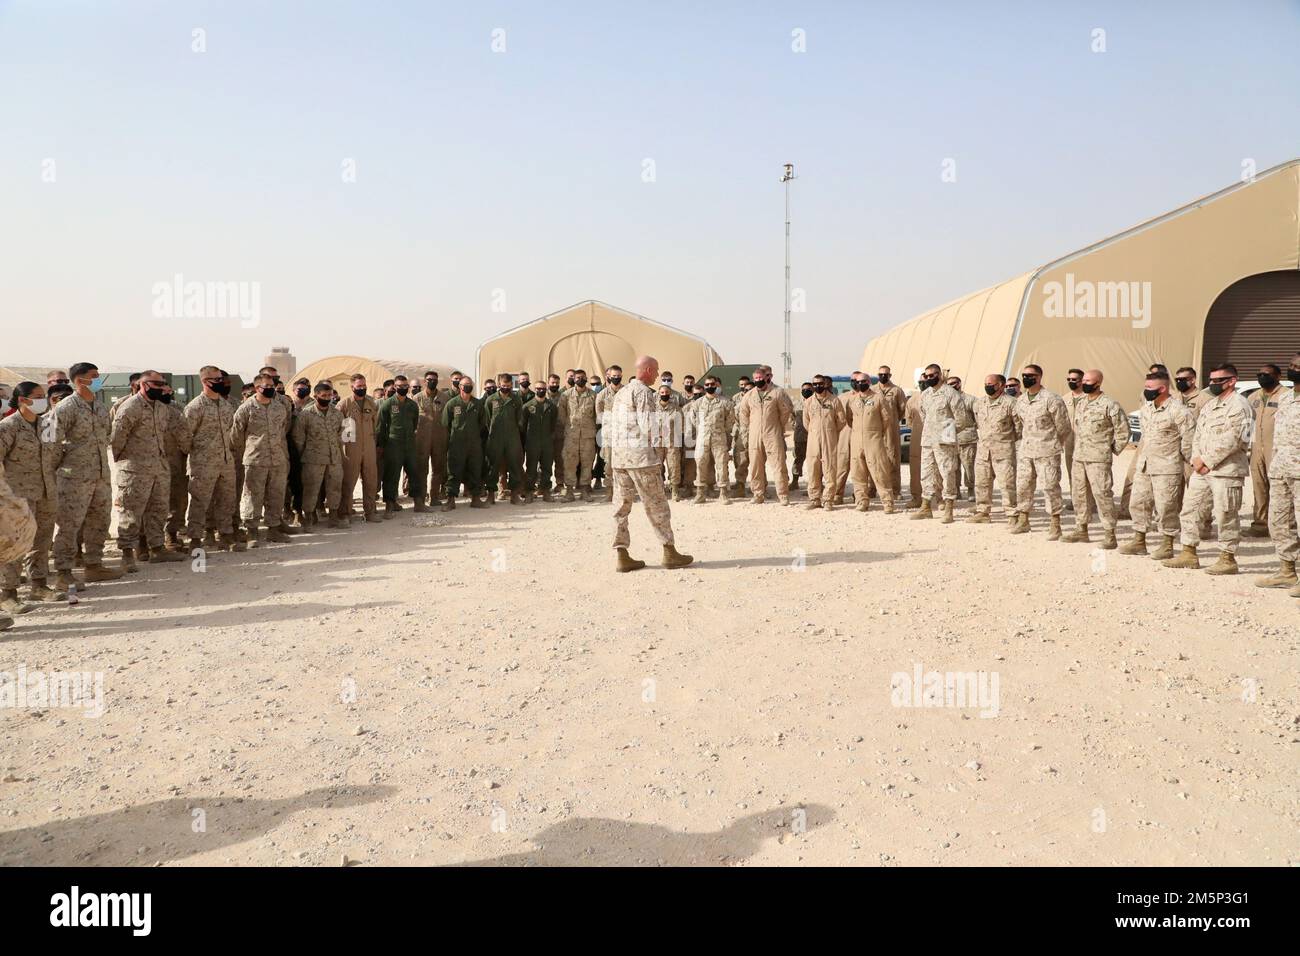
point(82, 510)
point(940, 470)
point(263, 491)
point(1028, 472)
point(212, 502)
point(315, 478)
point(579, 455)
point(711, 463)
point(1284, 515)
point(1155, 501)
point(987, 468)
point(1091, 481)
point(1209, 496)
point(141, 502)
point(646, 482)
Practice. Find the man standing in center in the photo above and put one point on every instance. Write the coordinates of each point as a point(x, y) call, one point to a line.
point(360, 455)
point(604, 402)
point(138, 440)
point(940, 459)
point(1100, 433)
point(505, 449)
point(823, 417)
point(713, 419)
point(764, 415)
point(577, 422)
point(634, 462)
point(395, 441)
point(998, 430)
point(1045, 425)
point(431, 440)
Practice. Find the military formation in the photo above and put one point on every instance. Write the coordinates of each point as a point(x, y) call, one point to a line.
point(226, 473)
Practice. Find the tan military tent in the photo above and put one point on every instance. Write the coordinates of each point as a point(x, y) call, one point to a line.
point(339, 369)
point(592, 336)
point(1215, 280)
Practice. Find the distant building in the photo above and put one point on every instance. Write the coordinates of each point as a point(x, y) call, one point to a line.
point(283, 361)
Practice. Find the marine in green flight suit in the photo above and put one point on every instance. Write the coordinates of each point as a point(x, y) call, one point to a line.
point(505, 449)
point(540, 417)
point(395, 429)
point(465, 418)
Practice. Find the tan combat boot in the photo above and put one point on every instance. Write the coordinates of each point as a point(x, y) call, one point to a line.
point(568, 493)
point(922, 512)
point(783, 500)
point(278, 536)
point(1284, 578)
point(128, 563)
point(700, 496)
point(64, 581)
point(97, 572)
point(1078, 536)
point(10, 604)
point(862, 504)
point(724, 495)
point(1227, 564)
point(166, 556)
point(1108, 542)
point(627, 563)
point(978, 517)
point(6, 622)
point(1138, 544)
point(889, 504)
point(1054, 532)
point(1019, 524)
point(228, 542)
point(947, 513)
point(813, 504)
point(674, 558)
point(42, 593)
point(827, 505)
point(1186, 559)
point(1166, 549)
point(1295, 591)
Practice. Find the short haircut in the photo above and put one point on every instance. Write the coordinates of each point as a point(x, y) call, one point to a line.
point(134, 377)
point(358, 377)
point(579, 371)
point(210, 371)
point(1074, 371)
point(430, 372)
point(262, 377)
point(614, 368)
point(885, 368)
point(1157, 376)
point(932, 365)
point(400, 378)
point(457, 372)
point(553, 375)
point(1226, 367)
point(809, 384)
point(503, 377)
point(388, 382)
point(323, 387)
point(54, 373)
point(1186, 368)
point(1002, 379)
point(1276, 369)
point(1036, 369)
point(58, 391)
point(269, 370)
point(303, 380)
point(1159, 367)
point(82, 368)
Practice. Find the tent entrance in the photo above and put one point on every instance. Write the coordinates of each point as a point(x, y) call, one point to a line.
point(1253, 321)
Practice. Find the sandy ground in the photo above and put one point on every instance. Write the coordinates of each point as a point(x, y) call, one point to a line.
point(482, 687)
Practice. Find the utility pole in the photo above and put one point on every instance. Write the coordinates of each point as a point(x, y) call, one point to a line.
point(787, 177)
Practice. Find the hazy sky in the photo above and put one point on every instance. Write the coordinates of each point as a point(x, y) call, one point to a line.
point(486, 179)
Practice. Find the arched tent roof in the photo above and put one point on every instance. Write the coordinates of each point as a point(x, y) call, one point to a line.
point(339, 369)
point(1144, 295)
point(592, 335)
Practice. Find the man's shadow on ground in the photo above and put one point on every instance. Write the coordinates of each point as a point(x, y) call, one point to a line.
point(170, 829)
point(598, 841)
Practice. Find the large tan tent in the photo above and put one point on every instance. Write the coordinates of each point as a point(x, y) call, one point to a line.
point(1215, 280)
point(592, 336)
point(339, 369)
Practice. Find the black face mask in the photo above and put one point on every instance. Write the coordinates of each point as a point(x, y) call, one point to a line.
point(553, 388)
point(806, 392)
point(990, 389)
point(165, 398)
point(403, 389)
point(1012, 391)
point(540, 393)
point(1029, 380)
point(302, 391)
point(467, 389)
point(1183, 384)
point(359, 392)
point(819, 388)
point(615, 379)
point(268, 391)
point(490, 390)
point(580, 382)
point(323, 401)
point(1293, 374)
point(154, 394)
point(1089, 387)
point(1216, 388)
point(569, 379)
point(1267, 382)
point(1073, 385)
point(431, 384)
point(884, 379)
point(221, 388)
point(710, 388)
point(929, 383)
point(759, 382)
point(1150, 394)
